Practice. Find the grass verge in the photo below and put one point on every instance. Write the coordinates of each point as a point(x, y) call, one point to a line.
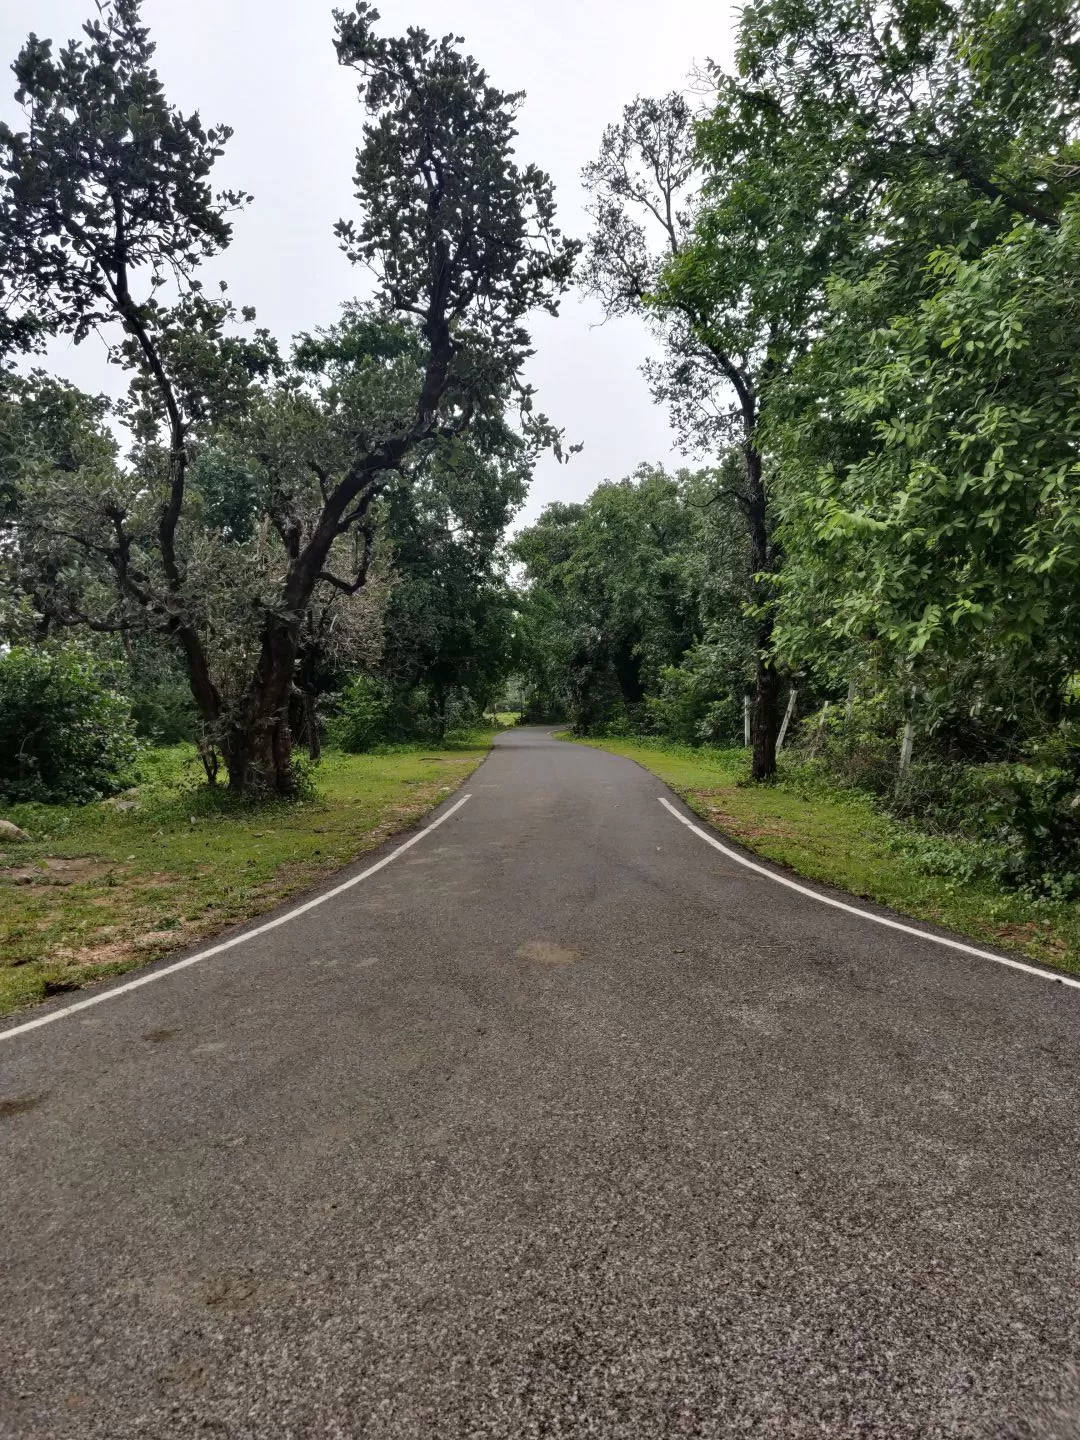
point(839, 838)
point(104, 888)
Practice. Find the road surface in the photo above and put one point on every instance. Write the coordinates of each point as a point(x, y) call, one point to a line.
point(560, 1124)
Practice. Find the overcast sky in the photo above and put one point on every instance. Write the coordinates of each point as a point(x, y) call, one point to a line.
point(267, 68)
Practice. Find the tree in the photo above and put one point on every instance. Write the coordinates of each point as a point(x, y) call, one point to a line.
point(976, 98)
point(937, 514)
point(109, 185)
point(925, 443)
point(731, 280)
point(449, 621)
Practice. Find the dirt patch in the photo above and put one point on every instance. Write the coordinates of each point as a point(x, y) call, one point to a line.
point(111, 953)
point(77, 870)
point(742, 830)
point(153, 939)
point(1031, 933)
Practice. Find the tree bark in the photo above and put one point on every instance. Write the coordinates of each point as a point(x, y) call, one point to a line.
point(314, 739)
point(258, 750)
point(259, 759)
point(763, 725)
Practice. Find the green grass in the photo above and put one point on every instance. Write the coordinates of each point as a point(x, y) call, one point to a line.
point(101, 890)
point(838, 837)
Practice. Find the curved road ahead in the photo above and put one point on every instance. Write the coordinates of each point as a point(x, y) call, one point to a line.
point(560, 1124)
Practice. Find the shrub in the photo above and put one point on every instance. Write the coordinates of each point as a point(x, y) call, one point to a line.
point(66, 736)
point(1019, 820)
point(164, 712)
point(362, 716)
point(700, 700)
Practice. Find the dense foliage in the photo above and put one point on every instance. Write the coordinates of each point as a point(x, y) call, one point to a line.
point(633, 614)
point(250, 525)
point(66, 735)
point(862, 259)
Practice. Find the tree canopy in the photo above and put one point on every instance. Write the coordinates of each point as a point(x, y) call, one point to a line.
point(256, 485)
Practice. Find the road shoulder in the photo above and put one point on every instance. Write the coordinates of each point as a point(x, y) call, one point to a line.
point(844, 843)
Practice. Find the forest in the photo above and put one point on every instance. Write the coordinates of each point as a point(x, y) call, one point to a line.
point(857, 252)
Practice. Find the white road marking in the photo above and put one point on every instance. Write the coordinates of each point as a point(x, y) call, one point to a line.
point(236, 939)
point(1069, 980)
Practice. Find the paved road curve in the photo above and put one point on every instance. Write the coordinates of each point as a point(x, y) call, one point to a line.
point(559, 1125)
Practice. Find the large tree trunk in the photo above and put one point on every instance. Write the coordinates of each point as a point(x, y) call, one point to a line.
point(764, 723)
point(258, 745)
point(259, 759)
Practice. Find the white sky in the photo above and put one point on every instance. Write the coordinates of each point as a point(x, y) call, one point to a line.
point(267, 68)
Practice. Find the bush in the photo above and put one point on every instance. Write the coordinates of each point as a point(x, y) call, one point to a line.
point(66, 736)
point(1033, 813)
point(362, 716)
point(700, 700)
point(1018, 821)
point(164, 712)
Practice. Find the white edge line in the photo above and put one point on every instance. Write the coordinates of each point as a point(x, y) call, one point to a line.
point(236, 939)
point(1073, 983)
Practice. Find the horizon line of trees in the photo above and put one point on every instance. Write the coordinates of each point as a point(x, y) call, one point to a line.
point(858, 252)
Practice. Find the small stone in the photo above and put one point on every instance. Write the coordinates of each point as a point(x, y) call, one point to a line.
point(8, 831)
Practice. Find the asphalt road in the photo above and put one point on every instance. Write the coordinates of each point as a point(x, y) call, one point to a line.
point(559, 1125)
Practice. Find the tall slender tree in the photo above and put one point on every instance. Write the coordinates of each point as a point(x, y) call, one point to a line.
point(702, 227)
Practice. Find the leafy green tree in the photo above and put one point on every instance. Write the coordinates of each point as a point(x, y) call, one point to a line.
point(109, 186)
point(970, 100)
point(916, 444)
point(845, 135)
point(720, 233)
point(939, 512)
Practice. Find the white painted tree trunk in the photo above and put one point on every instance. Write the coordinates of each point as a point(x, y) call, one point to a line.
point(787, 719)
point(746, 708)
point(907, 745)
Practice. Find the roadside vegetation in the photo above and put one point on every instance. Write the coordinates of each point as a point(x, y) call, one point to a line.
point(255, 530)
point(859, 256)
point(102, 888)
point(839, 837)
point(255, 613)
